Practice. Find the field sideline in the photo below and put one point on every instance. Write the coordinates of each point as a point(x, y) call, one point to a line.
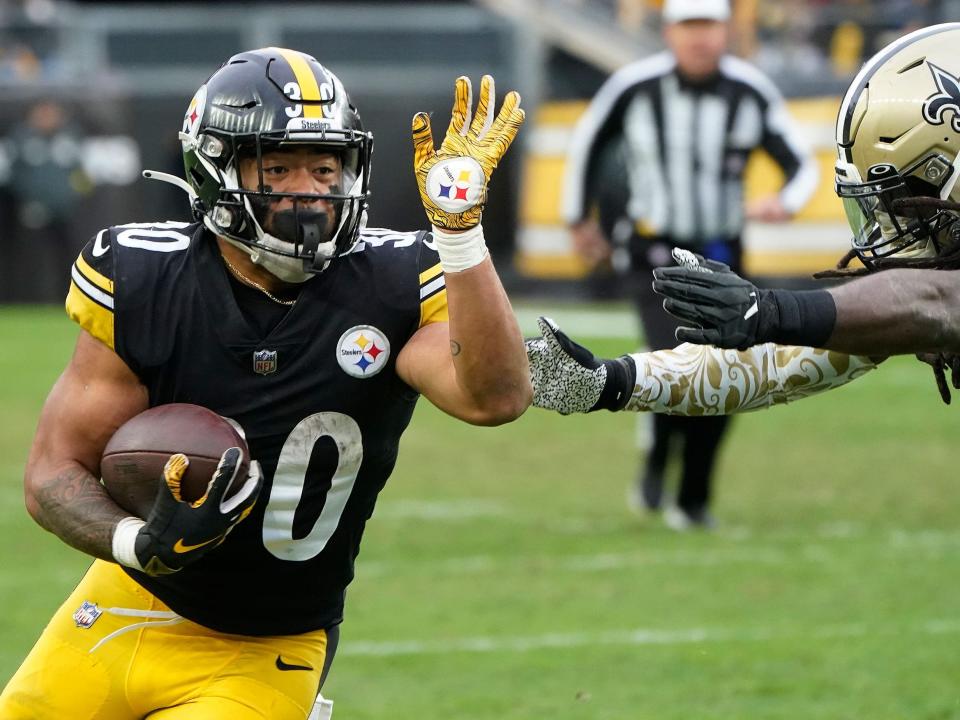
point(502, 577)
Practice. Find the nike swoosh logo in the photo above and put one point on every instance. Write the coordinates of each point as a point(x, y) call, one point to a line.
point(181, 547)
point(753, 308)
point(281, 665)
point(98, 247)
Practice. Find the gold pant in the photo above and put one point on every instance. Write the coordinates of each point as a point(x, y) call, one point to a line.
point(137, 659)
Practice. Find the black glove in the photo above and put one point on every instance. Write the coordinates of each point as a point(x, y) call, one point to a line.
point(940, 362)
point(725, 308)
point(567, 378)
point(731, 312)
point(178, 533)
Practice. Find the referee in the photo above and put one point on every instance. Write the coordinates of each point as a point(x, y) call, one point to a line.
point(679, 126)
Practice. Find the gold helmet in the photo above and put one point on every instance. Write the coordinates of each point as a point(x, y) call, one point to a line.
point(898, 143)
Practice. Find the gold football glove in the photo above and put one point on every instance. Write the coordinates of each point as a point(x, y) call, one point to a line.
point(453, 180)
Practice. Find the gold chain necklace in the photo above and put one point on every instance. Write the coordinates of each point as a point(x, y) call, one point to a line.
point(254, 284)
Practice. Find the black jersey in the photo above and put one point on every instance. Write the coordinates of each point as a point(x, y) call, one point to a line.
point(318, 398)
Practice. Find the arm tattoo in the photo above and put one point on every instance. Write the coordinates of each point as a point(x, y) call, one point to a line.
point(78, 510)
point(454, 348)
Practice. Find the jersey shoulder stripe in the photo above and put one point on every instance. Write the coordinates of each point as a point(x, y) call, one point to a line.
point(433, 296)
point(90, 299)
point(433, 286)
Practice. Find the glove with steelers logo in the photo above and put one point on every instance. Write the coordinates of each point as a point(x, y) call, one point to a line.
point(453, 180)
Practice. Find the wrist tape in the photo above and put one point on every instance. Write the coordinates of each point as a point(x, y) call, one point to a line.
point(804, 318)
point(125, 541)
point(619, 386)
point(460, 251)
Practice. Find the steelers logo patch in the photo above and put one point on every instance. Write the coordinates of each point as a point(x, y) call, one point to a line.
point(455, 184)
point(362, 351)
point(191, 120)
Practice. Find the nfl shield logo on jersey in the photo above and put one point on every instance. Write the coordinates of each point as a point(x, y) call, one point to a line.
point(265, 362)
point(87, 614)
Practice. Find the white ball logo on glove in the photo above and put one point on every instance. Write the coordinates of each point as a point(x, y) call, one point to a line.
point(456, 184)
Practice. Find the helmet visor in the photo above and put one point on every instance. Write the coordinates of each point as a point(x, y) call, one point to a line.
point(885, 222)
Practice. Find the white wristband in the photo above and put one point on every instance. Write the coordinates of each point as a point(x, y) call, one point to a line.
point(460, 251)
point(125, 542)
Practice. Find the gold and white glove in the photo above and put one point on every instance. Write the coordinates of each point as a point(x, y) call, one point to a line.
point(453, 180)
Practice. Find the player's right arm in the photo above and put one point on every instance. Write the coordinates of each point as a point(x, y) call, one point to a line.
point(690, 380)
point(95, 394)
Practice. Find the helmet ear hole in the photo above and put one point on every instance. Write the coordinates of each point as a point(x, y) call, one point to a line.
point(197, 178)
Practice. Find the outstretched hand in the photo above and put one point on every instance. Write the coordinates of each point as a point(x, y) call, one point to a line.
point(453, 180)
point(567, 378)
point(724, 309)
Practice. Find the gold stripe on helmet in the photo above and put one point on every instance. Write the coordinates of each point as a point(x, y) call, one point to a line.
point(309, 89)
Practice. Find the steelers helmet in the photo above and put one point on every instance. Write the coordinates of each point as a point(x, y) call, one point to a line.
point(898, 146)
point(267, 100)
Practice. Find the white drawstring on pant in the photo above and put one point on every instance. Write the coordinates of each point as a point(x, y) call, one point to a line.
point(155, 618)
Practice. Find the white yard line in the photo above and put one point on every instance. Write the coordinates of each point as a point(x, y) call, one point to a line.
point(773, 550)
point(639, 637)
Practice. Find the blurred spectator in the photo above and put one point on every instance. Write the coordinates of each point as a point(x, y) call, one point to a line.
point(46, 184)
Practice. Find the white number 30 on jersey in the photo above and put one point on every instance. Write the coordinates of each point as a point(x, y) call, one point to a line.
point(290, 478)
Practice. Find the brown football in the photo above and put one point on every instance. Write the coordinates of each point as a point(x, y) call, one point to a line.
point(133, 460)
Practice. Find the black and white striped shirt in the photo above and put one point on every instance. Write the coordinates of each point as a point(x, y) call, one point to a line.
point(686, 147)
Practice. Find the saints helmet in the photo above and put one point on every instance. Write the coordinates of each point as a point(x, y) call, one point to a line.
point(898, 143)
point(261, 101)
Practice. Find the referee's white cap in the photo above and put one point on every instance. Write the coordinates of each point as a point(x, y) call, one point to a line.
point(680, 10)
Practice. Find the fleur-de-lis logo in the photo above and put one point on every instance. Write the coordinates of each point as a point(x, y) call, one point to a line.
point(948, 98)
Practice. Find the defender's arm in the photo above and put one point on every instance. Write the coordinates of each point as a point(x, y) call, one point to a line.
point(689, 380)
point(898, 312)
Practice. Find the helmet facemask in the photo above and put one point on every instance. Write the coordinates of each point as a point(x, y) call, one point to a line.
point(303, 237)
point(901, 218)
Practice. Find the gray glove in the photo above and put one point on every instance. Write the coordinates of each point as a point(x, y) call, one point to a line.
point(567, 378)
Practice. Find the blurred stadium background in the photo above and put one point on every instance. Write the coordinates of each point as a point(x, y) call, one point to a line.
point(502, 576)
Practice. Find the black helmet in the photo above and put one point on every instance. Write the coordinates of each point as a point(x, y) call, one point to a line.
point(261, 101)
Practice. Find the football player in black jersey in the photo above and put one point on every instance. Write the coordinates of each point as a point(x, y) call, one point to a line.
point(281, 311)
point(898, 174)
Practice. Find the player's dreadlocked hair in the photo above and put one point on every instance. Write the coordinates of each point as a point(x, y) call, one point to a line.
point(947, 261)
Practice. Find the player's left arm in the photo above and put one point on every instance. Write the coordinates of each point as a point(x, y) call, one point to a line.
point(473, 367)
point(893, 312)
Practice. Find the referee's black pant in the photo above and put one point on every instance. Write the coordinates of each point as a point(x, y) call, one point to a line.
point(696, 438)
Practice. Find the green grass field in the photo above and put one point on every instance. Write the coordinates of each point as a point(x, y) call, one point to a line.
point(503, 578)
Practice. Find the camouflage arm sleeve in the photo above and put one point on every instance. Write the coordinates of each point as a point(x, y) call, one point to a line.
point(699, 380)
